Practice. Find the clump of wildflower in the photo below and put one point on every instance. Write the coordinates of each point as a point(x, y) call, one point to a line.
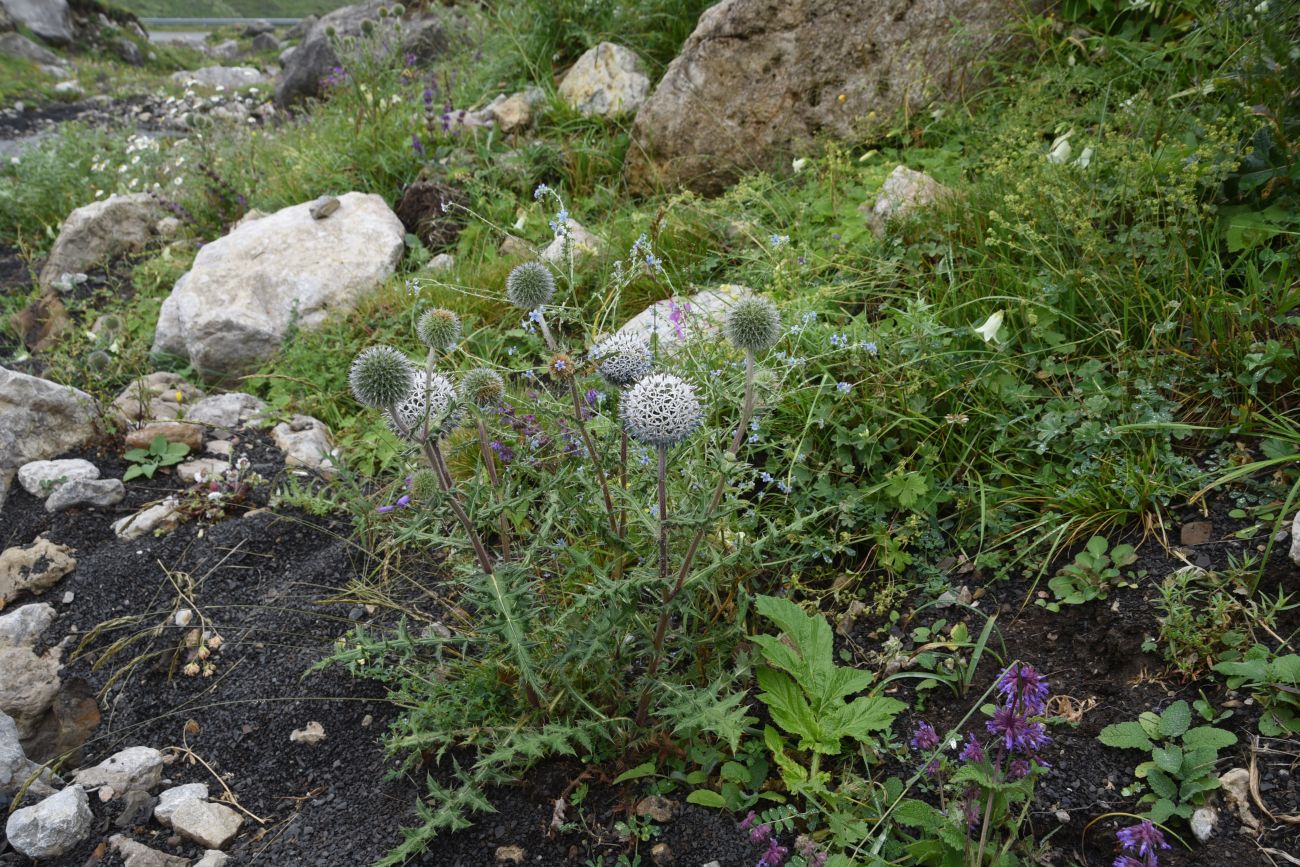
point(483, 387)
point(623, 359)
point(530, 285)
point(753, 325)
point(439, 328)
point(1140, 844)
point(661, 410)
point(381, 376)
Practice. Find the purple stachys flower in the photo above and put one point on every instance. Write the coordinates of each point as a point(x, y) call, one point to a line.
point(410, 58)
point(972, 751)
point(677, 315)
point(1143, 839)
point(774, 856)
point(417, 145)
point(1022, 684)
point(1018, 732)
point(925, 737)
point(1130, 861)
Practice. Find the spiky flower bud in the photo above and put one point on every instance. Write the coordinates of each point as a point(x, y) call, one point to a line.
point(431, 399)
point(623, 359)
point(661, 410)
point(530, 285)
point(439, 329)
point(98, 360)
point(381, 376)
point(753, 324)
point(482, 387)
point(561, 366)
point(425, 486)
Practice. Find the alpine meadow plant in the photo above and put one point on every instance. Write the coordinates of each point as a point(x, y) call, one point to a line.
point(566, 563)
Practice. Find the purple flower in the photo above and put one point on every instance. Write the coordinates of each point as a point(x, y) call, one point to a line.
point(417, 145)
point(1143, 838)
point(1130, 861)
point(972, 751)
point(1021, 684)
point(1018, 732)
point(925, 737)
point(775, 854)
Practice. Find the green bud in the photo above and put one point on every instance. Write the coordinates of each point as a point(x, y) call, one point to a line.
point(530, 286)
point(439, 329)
point(753, 324)
point(381, 376)
point(482, 387)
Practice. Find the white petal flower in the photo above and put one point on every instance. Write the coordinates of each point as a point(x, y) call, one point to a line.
point(661, 410)
point(431, 397)
point(989, 330)
point(624, 358)
point(1059, 152)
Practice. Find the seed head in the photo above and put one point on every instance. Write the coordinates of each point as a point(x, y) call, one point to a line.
point(753, 324)
point(439, 329)
point(431, 398)
point(661, 410)
point(482, 387)
point(530, 285)
point(98, 360)
point(623, 360)
point(424, 486)
point(561, 366)
point(381, 376)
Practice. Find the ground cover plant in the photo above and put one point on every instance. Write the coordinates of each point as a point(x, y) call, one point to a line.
point(892, 566)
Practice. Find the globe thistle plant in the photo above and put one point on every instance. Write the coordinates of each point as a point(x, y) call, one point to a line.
point(381, 376)
point(482, 387)
point(439, 329)
point(661, 410)
point(530, 285)
point(623, 360)
point(753, 325)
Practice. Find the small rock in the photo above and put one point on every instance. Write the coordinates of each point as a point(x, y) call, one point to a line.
point(655, 807)
point(99, 231)
point(367, 721)
point(172, 431)
point(162, 518)
point(210, 825)
point(512, 246)
point(510, 854)
point(661, 855)
point(132, 768)
point(578, 242)
point(68, 597)
point(1295, 539)
point(170, 799)
point(310, 734)
point(1196, 533)
point(607, 80)
point(52, 827)
point(106, 793)
point(99, 493)
point(33, 568)
point(226, 411)
point(139, 855)
point(40, 478)
point(323, 207)
point(31, 681)
point(220, 448)
point(137, 807)
point(305, 442)
point(256, 28)
point(265, 42)
point(160, 396)
point(442, 262)
point(205, 469)
point(40, 419)
point(212, 858)
point(1063, 817)
point(1203, 823)
point(224, 77)
point(677, 320)
point(903, 193)
point(15, 768)
point(516, 111)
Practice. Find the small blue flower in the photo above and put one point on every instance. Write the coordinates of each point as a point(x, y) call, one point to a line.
point(871, 348)
point(783, 487)
point(778, 240)
point(541, 190)
point(843, 387)
point(766, 477)
point(753, 438)
point(839, 340)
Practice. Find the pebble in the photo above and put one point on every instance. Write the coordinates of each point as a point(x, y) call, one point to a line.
point(132, 768)
point(323, 207)
point(1203, 823)
point(310, 734)
point(53, 826)
point(170, 799)
point(210, 825)
point(510, 855)
point(68, 597)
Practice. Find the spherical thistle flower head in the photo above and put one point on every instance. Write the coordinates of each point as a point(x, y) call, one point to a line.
point(661, 410)
point(561, 366)
point(439, 329)
point(530, 285)
point(753, 324)
point(482, 387)
point(432, 398)
point(381, 376)
point(623, 360)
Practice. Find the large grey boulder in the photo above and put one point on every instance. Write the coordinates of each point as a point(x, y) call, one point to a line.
point(16, 770)
point(903, 193)
point(99, 231)
point(124, 771)
point(40, 478)
point(424, 37)
point(19, 47)
point(607, 80)
point(31, 680)
point(762, 79)
point(676, 320)
point(52, 827)
point(40, 419)
point(48, 19)
point(230, 312)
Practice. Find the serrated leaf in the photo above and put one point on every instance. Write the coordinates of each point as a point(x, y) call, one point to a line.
point(791, 711)
point(911, 813)
point(1161, 810)
point(1168, 760)
point(706, 798)
point(1125, 736)
point(736, 772)
point(1208, 737)
point(1175, 719)
point(1150, 723)
point(1161, 784)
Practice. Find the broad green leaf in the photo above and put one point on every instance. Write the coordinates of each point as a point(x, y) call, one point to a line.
point(1150, 723)
point(645, 769)
point(1168, 760)
point(865, 715)
point(1161, 784)
point(790, 710)
point(1176, 718)
point(736, 772)
point(1161, 810)
point(132, 471)
point(1203, 737)
point(136, 455)
point(706, 798)
point(911, 813)
point(1125, 736)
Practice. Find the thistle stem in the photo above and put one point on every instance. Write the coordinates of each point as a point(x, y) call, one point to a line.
point(489, 461)
point(435, 456)
point(661, 628)
point(622, 483)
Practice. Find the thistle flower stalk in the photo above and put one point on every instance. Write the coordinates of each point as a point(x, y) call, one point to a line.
point(489, 461)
